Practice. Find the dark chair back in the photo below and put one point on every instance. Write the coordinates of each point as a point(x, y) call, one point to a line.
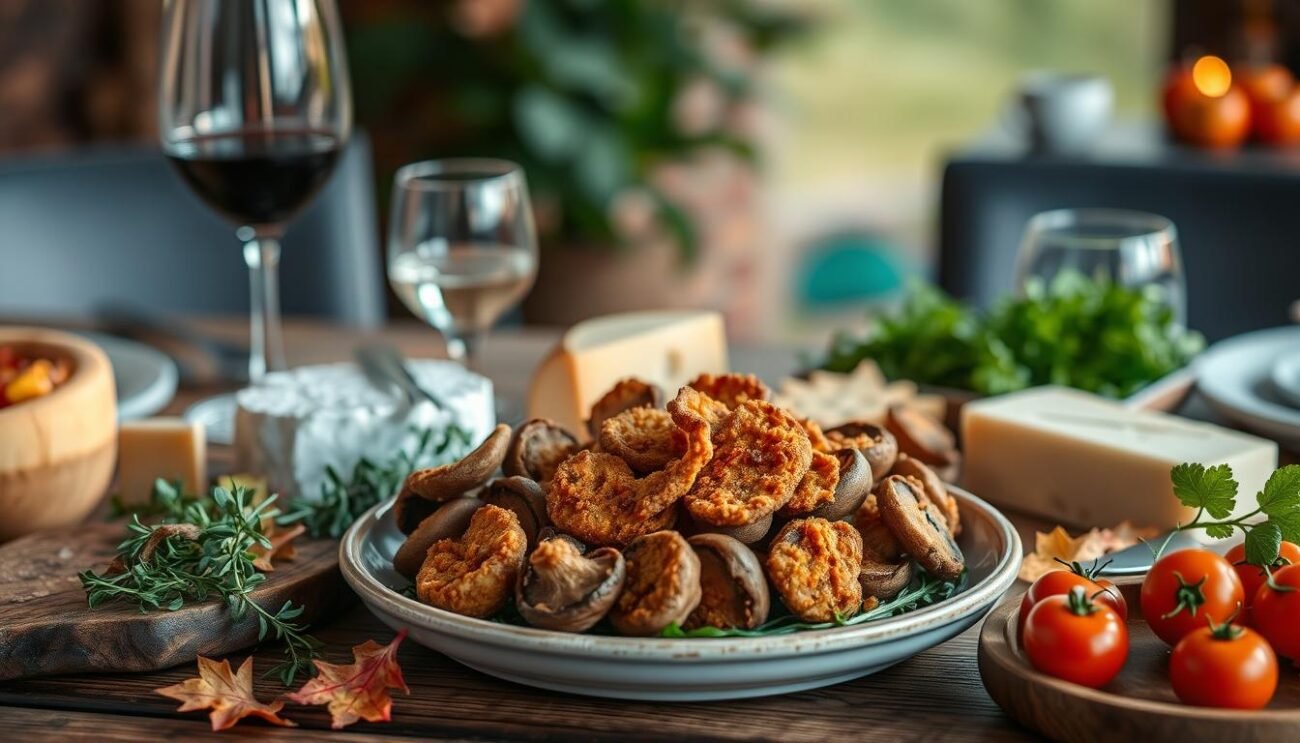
point(83, 230)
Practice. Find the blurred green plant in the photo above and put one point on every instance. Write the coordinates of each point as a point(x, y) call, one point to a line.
point(588, 95)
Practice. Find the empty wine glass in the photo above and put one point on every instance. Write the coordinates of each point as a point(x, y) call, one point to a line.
point(462, 247)
point(1130, 248)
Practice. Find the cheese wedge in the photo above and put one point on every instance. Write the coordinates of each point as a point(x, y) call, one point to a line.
point(170, 448)
point(1083, 460)
point(667, 348)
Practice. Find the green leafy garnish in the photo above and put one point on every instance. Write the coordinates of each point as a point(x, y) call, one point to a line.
point(923, 591)
point(202, 549)
point(1091, 334)
point(1212, 491)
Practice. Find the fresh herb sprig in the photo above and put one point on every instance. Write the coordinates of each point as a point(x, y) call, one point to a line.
point(1212, 491)
point(343, 501)
point(201, 549)
point(923, 591)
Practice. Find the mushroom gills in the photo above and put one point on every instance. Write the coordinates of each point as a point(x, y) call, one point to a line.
point(563, 589)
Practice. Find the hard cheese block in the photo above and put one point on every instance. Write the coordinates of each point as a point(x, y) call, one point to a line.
point(167, 448)
point(667, 348)
point(292, 425)
point(1080, 459)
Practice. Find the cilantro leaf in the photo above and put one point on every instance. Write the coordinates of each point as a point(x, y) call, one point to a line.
point(1282, 491)
point(1289, 524)
point(1211, 488)
point(1218, 531)
point(1263, 543)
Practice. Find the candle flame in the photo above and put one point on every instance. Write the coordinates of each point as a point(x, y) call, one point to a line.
point(1211, 76)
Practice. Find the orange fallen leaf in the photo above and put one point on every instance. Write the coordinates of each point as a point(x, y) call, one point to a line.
point(359, 690)
point(1058, 544)
point(281, 547)
point(229, 695)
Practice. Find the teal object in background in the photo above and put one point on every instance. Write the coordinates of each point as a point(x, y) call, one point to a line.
point(848, 269)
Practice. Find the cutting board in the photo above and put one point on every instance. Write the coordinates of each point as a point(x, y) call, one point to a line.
point(47, 628)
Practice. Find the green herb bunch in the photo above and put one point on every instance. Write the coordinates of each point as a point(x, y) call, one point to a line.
point(1212, 491)
point(1091, 334)
point(202, 549)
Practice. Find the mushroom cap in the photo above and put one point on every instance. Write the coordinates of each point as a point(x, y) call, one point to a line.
point(447, 481)
point(732, 585)
point(662, 586)
point(523, 496)
point(562, 589)
point(884, 580)
point(880, 453)
point(449, 521)
point(537, 448)
point(934, 491)
point(921, 436)
point(750, 533)
point(853, 488)
point(919, 532)
point(627, 393)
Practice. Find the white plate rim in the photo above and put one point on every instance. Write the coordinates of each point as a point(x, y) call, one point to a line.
point(148, 398)
point(1230, 392)
point(975, 598)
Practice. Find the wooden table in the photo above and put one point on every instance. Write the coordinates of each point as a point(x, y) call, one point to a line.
point(936, 695)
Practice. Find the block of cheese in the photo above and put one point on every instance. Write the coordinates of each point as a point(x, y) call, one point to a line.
point(170, 448)
point(667, 348)
point(291, 425)
point(1079, 459)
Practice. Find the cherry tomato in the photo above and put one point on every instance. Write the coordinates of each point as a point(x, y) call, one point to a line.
point(1059, 583)
point(1253, 576)
point(1185, 589)
point(1077, 639)
point(1276, 612)
point(1224, 666)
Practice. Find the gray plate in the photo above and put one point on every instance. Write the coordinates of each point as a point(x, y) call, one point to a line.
point(145, 377)
point(1235, 378)
point(659, 669)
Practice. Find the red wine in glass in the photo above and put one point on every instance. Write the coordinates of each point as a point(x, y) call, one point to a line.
point(256, 178)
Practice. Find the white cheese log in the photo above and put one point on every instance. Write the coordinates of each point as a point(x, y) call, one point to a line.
point(293, 424)
point(1079, 459)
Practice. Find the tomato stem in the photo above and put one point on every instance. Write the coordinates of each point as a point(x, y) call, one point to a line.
point(1188, 596)
point(1226, 631)
point(1079, 603)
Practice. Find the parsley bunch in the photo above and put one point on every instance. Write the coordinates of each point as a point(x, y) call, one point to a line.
point(1212, 491)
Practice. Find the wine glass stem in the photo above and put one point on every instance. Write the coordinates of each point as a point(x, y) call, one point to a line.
point(266, 347)
point(463, 348)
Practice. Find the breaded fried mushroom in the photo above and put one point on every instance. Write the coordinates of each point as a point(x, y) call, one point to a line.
point(817, 488)
point(732, 390)
point(474, 575)
point(626, 395)
point(815, 564)
point(646, 438)
point(662, 585)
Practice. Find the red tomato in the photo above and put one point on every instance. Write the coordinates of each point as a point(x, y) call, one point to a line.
point(1059, 583)
point(1185, 589)
point(1253, 576)
point(1077, 639)
point(1276, 612)
point(1224, 666)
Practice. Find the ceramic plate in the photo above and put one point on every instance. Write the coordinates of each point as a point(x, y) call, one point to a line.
point(146, 378)
point(659, 669)
point(1235, 376)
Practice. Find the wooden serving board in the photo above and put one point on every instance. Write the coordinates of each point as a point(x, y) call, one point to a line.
point(1138, 705)
point(46, 626)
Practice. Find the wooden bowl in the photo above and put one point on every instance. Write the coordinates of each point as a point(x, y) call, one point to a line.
point(1138, 705)
point(57, 452)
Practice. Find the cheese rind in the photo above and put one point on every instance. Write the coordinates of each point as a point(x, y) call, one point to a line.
point(167, 448)
point(1083, 460)
point(667, 348)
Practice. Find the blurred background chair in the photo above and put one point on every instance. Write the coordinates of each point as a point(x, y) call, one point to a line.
point(1236, 220)
point(83, 230)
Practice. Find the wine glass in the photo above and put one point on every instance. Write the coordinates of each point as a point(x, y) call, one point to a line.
point(462, 247)
point(1130, 248)
point(254, 107)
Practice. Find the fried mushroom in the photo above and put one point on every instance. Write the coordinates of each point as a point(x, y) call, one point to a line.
point(525, 498)
point(935, 493)
point(662, 586)
point(448, 522)
point(921, 436)
point(750, 533)
point(626, 395)
point(732, 585)
point(732, 390)
point(444, 482)
point(474, 575)
point(563, 589)
point(817, 488)
point(919, 530)
point(646, 438)
point(854, 486)
point(814, 564)
point(876, 444)
point(536, 450)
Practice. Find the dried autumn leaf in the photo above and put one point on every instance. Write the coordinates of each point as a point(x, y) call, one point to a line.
point(1058, 544)
point(359, 690)
point(281, 546)
point(229, 695)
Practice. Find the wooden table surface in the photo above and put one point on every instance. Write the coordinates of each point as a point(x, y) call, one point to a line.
point(936, 695)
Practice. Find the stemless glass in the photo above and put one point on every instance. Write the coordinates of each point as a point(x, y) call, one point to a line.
point(254, 106)
point(1130, 248)
point(462, 247)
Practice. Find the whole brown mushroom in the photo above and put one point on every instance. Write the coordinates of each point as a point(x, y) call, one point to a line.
point(662, 586)
point(448, 522)
point(562, 589)
point(523, 496)
point(884, 580)
point(876, 444)
point(921, 436)
point(919, 530)
point(434, 485)
point(536, 450)
point(733, 589)
point(626, 394)
point(750, 533)
point(936, 493)
point(853, 487)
